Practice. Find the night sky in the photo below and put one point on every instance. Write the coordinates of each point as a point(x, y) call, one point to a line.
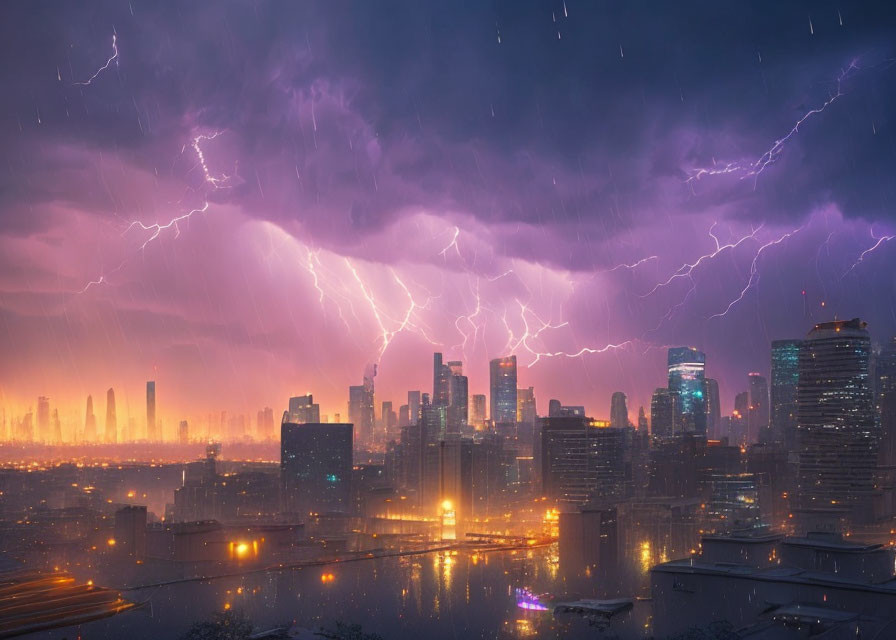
point(243, 200)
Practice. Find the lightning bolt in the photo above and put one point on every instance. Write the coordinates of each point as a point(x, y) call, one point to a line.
point(452, 244)
point(871, 249)
point(753, 280)
point(755, 168)
point(112, 58)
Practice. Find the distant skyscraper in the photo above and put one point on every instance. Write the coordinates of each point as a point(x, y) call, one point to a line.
point(43, 419)
point(837, 434)
point(686, 377)
point(151, 433)
point(265, 423)
point(441, 373)
point(785, 375)
point(111, 419)
point(361, 407)
point(478, 417)
point(315, 467)
point(183, 432)
point(737, 428)
point(90, 421)
point(526, 410)
point(502, 388)
point(302, 409)
point(884, 373)
point(642, 420)
point(618, 410)
point(458, 400)
point(413, 407)
point(758, 418)
point(664, 412)
point(56, 426)
point(713, 409)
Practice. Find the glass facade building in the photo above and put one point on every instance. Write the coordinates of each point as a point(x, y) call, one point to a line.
point(687, 368)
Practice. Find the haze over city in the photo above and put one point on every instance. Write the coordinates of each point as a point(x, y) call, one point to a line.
point(370, 183)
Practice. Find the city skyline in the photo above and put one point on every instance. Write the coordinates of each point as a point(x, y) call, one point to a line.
point(534, 230)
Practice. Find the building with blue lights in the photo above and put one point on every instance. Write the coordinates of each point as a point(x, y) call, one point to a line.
point(687, 368)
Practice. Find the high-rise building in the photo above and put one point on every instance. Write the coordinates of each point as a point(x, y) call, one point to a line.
point(89, 421)
point(664, 412)
point(315, 467)
point(361, 407)
point(56, 426)
point(389, 419)
point(441, 374)
point(478, 416)
point(265, 423)
point(43, 419)
point(642, 420)
point(580, 460)
point(413, 407)
point(502, 389)
point(686, 377)
point(111, 419)
point(526, 411)
point(558, 410)
point(713, 409)
point(151, 433)
point(618, 410)
point(837, 433)
point(884, 373)
point(785, 375)
point(458, 399)
point(183, 432)
point(758, 418)
point(303, 409)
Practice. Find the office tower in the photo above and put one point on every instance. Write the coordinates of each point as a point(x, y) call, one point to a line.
point(183, 432)
point(361, 407)
point(884, 373)
point(413, 407)
point(56, 426)
point(458, 400)
point(151, 434)
point(686, 377)
point(440, 376)
point(618, 410)
point(642, 420)
point(502, 390)
point(404, 415)
point(478, 417)
point(664, 413)
point(265, 423)
point(90, 421)
point(434, 420)
point(302, 409)
point(554, 408)
point(837, 435)
point(43, 419)
point(315, 467)
point(713, 409)
point(390, 420)
point(558, 410)
point(758, 418)
point(526, 411)
point(111, 419)
point(581, 461)
point(785, 375)
point(738, 426)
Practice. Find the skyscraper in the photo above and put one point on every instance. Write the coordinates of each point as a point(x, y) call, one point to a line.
point(837, 434)
point(89, 421)
point(151, 434)
point(664, 412)
point(738, 432)
point(502, 388)
point(43, 419)
point(458, 400)
point(440, 381)
point(303, 409)
point(526, 410)
point(785, 375)
point(361, 407)
point(713, 409)
point(618, 410)
point(686, 377)
point(315, 467)
point(478, 415)
point(642, 420)
point(758, 418)
point(183, 432)
point(111, 419)
point(413, 407)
